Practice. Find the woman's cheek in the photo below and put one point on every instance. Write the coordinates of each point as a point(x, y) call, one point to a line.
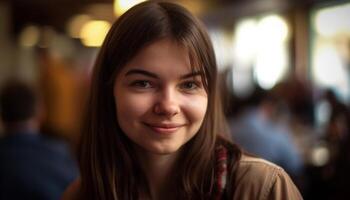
point(195, 106)
point(134, 104)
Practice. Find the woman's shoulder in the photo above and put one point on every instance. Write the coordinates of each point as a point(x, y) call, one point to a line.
point(256, 178)
point(72, 191)
point(257, 170)
point(255, 165)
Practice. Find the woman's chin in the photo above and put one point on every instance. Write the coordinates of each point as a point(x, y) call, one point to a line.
point(161, 149)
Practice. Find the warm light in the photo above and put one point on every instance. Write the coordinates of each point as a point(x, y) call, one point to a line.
point(261, 45)
point(29, 37)
point(94, 32)
point(330, 21)
point(270, 66)
point(121, 6)
point(272, 29)
point(271, 60)
point(76, 24)
point(328, 69)
point(245, 42)
point(320, 155)
point(222, 49)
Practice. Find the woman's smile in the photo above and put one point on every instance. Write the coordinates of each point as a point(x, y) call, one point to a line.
point(164, 128)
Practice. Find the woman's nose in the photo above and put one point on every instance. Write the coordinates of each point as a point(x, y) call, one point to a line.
point(167, 103)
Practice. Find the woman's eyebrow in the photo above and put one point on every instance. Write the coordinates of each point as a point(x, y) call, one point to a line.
point(142, 72)
point(192, 74)
point(153, 75)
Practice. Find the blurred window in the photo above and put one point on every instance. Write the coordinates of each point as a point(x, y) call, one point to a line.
point(330, 48)
point(260, 51)
point(222, 47)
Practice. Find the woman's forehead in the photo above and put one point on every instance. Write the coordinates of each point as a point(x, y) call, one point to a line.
point(165, 54)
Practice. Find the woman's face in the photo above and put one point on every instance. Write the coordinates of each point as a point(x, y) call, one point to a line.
point(160, 101)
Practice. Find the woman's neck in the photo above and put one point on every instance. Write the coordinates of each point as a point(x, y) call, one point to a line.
point(159, 171)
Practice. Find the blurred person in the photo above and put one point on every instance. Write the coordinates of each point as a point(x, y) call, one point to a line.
point(332, 176)
point(298, 94)
point(262, 129)
point(338, 126)
point(340, 190)
point(33, 166)
point(154, 127)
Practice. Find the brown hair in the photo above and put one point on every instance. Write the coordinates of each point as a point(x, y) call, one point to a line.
point(109, 169)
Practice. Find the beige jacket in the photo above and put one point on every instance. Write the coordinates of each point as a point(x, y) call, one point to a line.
point(258, 179)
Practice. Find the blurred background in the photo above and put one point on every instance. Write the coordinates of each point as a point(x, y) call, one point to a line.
point(288, 60)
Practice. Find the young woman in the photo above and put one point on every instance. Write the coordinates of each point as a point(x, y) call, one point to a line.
point(154, 128)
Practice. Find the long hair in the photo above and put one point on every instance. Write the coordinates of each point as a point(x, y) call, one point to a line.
point(109, 168)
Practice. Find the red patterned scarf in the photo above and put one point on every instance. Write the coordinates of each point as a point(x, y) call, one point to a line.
point(221, 170)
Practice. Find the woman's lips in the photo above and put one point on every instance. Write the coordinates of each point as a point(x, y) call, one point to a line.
point(164, 128)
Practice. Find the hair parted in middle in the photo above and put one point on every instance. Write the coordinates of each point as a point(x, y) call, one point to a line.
point(109, 168)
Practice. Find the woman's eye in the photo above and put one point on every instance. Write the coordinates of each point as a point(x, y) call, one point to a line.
point(141, 84)
point(190, 85)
